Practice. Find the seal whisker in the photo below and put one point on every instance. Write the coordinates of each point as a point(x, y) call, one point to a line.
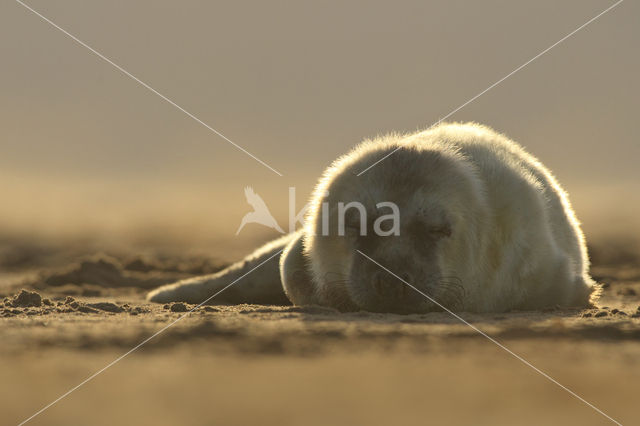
point(452, 292)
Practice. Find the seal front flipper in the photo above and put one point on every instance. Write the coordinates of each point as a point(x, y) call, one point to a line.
point(294, 274)
point(255, 279)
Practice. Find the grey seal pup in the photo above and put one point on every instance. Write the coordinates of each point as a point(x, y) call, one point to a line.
point(483, 226)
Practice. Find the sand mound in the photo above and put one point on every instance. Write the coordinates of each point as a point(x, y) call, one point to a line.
point(106, 271)
point(32, 303)
point(26, 299)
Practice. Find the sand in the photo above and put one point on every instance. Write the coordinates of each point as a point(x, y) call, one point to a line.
point(286, 365)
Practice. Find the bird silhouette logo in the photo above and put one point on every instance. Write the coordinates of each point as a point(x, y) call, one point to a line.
point(260, 213)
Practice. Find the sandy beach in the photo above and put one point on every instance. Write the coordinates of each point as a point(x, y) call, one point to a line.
point(251, 364)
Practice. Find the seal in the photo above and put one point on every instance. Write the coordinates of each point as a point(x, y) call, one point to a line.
point(460, 212)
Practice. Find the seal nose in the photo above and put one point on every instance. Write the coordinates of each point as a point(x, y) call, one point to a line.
point(389, 287)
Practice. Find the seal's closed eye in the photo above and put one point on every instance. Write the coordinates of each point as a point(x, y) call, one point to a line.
point(443, 230)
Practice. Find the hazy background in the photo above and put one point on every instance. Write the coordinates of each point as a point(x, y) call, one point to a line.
point(88, 153)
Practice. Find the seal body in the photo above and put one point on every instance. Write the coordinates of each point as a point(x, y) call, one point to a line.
point(478, 225)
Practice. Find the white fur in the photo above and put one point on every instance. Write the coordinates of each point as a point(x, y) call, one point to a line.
point(255, 284)
point(514, 240)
